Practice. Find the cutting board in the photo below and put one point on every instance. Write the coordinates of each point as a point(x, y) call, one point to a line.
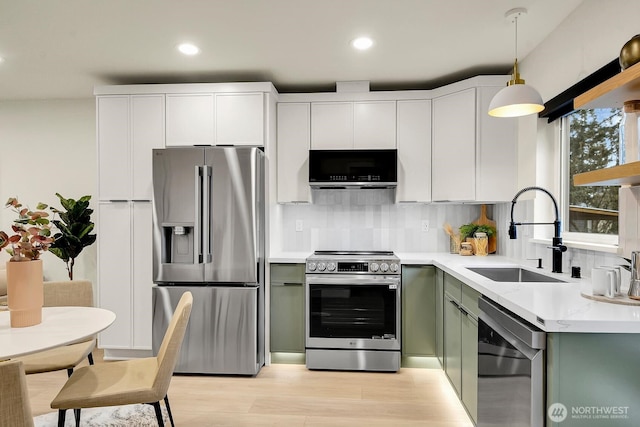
point(483, 220)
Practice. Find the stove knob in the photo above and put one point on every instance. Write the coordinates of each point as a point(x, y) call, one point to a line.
point(384, 267)
point(373, 266)
point(311, 266)
point(321, 266)
point(393, 267)
point(331, 266)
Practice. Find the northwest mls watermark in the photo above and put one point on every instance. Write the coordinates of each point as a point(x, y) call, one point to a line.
point(558, 413)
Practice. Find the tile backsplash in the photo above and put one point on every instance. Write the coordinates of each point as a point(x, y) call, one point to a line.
point(369, 220)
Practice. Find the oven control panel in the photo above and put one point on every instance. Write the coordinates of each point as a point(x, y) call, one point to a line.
point(353, 267)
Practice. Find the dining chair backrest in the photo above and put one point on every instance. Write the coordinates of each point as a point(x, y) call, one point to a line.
point(171, 343)
point(68, 293)
point(15, 409)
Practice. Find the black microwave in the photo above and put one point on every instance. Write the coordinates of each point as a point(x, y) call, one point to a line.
point(353, 168)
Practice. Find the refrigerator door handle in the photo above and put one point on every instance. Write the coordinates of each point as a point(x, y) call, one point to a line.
point(206, 212)
point(197, 228)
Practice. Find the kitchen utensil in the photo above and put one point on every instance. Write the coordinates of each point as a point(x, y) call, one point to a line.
point(454, 239)
point(634, 284)
point(483, 220)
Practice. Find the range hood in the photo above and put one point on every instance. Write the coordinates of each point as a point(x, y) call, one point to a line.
point(353, 169)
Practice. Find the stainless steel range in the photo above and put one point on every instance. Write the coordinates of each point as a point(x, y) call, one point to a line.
point(353, 311)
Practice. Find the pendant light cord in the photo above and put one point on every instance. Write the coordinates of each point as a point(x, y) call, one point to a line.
point(516, 27)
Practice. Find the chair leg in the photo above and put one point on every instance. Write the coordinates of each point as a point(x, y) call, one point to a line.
point(76, 413)
point(90, 357)
point(61, 416)
point(166, 403)
point(156, 406)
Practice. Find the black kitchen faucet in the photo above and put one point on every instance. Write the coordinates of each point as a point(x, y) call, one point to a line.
point(557, 245)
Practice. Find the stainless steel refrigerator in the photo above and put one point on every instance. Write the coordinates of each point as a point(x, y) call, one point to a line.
point(208, 238)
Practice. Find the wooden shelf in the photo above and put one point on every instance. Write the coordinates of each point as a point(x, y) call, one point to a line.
point(627, 174)
point(612, 93)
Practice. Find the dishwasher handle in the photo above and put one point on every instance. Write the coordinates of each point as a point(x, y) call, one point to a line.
point(519, 328)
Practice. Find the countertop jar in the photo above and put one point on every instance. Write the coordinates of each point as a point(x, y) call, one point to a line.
point(630, 142)
point(482, 243)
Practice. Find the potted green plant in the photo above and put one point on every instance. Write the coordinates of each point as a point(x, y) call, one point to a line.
point(468, 230)
point(31, 235)
point(74, 227)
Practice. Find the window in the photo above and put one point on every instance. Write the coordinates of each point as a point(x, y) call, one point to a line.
point(591, 140)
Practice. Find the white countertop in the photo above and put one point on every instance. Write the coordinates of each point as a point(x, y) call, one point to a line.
point(553, 307)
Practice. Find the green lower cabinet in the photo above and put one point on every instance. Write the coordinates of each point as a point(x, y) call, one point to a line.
point(453, 342)
point(287, 308)
point(460, 336)
point(593, 380)
point(440, 315)
point(418, 310)
point(469, 362)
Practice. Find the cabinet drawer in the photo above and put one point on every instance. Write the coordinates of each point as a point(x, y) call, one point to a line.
point(453, 287)
point(470, 300)
point(287, 273)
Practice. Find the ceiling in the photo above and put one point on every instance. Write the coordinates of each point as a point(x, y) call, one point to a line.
point(63, 48)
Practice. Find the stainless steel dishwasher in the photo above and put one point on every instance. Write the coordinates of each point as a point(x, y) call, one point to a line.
point(511, 363)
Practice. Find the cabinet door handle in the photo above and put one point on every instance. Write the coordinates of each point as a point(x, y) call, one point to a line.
point(465, 312)
point(118, 200)
point(285, 284)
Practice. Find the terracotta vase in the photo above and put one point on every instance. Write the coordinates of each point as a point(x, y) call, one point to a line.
point(24, 293)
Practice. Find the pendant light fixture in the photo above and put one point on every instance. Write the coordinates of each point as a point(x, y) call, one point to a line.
point(517, 99)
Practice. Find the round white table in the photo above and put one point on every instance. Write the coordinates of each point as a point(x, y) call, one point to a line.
point(60, 326)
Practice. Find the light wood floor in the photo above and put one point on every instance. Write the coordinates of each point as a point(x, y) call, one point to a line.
point(292, 396)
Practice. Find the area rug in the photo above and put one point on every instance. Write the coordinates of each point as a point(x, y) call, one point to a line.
point(138, 415)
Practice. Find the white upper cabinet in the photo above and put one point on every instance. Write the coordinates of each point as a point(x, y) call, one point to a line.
point(497, 152)
point(129, 126)
point(294, 132)
point(239, 119)
point(190, 119)
point(474, 155)
point(215, 119)
point(374, 125)
point(349, 125)
point(147, 133)
point(332, 125)
point(453, 168)
point(114, 168)
point(414, 151)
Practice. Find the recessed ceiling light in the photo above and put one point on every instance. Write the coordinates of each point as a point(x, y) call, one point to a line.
point(189, 49)
point(362, 43)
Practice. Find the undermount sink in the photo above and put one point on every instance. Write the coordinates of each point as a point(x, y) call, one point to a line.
point(512, 274)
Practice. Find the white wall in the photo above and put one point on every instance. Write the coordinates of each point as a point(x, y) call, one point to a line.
point(48, 147)
point(588, 39)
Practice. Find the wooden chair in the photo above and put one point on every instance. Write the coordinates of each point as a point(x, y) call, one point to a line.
point(15, 409)
point(128, 381)
point(57, 294)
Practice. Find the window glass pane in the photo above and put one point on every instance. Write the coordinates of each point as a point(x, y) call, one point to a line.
point(594, 141)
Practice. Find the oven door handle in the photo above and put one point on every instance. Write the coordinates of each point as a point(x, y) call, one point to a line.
point(354, 280)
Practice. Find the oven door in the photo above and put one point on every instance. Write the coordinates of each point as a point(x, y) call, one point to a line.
point(353, 312)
